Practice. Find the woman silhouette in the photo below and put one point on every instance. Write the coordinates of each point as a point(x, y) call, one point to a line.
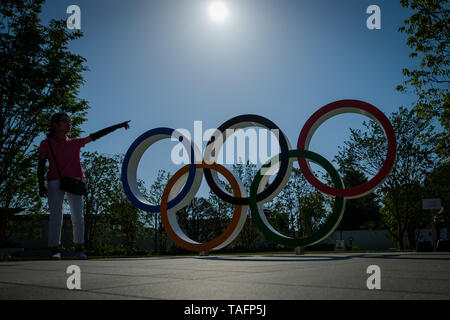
point(63, 154)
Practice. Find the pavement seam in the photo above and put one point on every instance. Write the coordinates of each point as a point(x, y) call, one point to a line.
point(306, 286)
point(75, 291)
point(344, 288)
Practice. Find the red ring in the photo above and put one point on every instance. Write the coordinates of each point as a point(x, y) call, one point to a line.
point(321, 116)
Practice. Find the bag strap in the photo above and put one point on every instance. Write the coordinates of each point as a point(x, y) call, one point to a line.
point(54, 158)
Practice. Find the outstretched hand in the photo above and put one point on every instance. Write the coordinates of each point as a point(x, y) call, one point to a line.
point(126, 125)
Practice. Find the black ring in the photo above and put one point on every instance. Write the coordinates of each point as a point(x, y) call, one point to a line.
point(284, 161)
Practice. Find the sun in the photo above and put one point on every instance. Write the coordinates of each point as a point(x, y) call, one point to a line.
point(218, 11)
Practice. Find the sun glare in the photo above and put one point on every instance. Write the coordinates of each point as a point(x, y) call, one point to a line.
point(218, 11)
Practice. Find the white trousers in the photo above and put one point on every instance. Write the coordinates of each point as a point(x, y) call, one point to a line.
point(55, 205)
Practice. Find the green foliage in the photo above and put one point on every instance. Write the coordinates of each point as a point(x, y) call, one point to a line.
point(361, 213)
point(124, 220)
point(299, 209)
point(428, 30)
point(402, 212)
point(40, 76)
point(112, 223)
point(437, 186)
point(250, 237)
point(287, 202)
point(312, 212)
point(153, 219)
point(205, 219)
point(400, 192)
point(200, 221)
point(102, 176)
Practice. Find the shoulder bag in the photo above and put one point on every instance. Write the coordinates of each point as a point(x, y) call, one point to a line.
point(69, 184)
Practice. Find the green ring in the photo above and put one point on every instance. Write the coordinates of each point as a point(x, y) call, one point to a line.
point(325, 229)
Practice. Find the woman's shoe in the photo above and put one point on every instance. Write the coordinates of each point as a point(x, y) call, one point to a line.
point(56, 256)
point(55, 253)
point(80, 255)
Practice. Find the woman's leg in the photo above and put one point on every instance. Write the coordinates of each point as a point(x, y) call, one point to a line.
point(55, 205)
point(76, 209)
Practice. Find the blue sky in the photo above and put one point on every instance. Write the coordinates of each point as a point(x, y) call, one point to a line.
point(165, 63)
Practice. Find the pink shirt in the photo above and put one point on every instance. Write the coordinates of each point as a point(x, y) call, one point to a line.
point(67, 153)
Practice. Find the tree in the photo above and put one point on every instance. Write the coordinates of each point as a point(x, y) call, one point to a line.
point(312, 211)
point(359, 213)
point(222, 211)
point(40, 76)
point(402, 211)
point(365, 151)
point(437, 186)
point(250, 235)
point(429, 36)
point(199, 221)
point(305, 208)
point(102, 176)
point(112, 223)
point(154, 196)
point(125, 220)
point(287, 202)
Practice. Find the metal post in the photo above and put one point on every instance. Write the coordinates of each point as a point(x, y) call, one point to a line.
point(156, 234)
point(433, 231)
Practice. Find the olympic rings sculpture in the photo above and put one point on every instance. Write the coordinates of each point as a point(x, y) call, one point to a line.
point(184, 184)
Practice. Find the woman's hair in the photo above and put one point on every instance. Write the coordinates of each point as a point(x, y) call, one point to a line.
point(56, 118)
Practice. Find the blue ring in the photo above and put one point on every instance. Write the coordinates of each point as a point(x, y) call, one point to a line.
point(129, 193)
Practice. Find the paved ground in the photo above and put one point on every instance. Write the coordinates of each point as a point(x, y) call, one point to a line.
point(274, 277)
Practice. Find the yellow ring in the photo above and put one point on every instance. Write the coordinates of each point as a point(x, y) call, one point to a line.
point(231, 232)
